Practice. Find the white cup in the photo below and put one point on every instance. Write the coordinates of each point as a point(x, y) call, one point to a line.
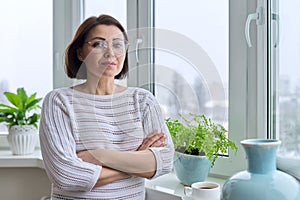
point(203, 191)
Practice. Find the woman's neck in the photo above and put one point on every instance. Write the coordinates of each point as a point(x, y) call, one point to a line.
point(100, 87)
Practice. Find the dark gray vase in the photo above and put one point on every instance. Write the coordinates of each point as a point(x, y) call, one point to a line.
point(190, 169)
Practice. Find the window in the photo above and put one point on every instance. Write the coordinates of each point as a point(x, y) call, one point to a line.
point(191, 58)
point(285, 78)
point(117, 9)
point(197, 48)
point(288, 62)
point(26, 47)
point(68, 15)
point(234, 62)
point(249, 92)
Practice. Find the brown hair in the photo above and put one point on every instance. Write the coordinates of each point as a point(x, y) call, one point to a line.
point(76, 68)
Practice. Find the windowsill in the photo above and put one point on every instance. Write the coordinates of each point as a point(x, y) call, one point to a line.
point(166, 185)
point(7, 159)
point(171, 185)
point(290, 165)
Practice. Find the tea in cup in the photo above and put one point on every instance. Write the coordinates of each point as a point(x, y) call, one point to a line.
point(203, 191)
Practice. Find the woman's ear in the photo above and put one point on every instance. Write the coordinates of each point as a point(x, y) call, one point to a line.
point(79, 55)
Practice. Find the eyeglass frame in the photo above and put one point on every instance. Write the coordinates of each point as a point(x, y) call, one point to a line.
point(105, 47)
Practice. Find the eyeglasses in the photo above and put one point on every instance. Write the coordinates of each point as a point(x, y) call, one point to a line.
point(119, 46)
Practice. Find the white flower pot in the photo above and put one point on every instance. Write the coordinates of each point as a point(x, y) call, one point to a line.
point(22, 139)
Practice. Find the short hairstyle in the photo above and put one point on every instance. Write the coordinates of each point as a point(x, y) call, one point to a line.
point(75, 68)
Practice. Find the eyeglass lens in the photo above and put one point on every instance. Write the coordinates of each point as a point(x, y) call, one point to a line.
point(119, 46)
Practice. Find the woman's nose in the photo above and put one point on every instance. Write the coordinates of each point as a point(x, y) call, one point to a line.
point(109, 51)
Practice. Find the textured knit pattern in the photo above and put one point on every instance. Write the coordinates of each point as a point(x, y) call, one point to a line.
point(72, 121)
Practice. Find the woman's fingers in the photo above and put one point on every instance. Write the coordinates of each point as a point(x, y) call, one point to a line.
point(153, 140)
point(159, 143)
point(88, 156)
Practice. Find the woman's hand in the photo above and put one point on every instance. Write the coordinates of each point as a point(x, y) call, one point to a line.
point(153, 140)
point(110, 175)
point(88, 156)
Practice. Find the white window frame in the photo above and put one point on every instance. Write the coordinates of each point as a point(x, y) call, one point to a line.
point(245, 119)
point(141, 33)
point(245, 100)
point(247, 83)
point(67, 15)
point(289, 165)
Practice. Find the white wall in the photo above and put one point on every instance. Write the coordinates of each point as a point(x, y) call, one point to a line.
point(23, 184)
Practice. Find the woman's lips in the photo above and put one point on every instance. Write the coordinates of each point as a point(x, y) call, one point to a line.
point(109, 64)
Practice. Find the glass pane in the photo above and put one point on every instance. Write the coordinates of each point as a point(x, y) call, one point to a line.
point(288, 73)
point(26, 47)
point(191, 58)
point(116, 8)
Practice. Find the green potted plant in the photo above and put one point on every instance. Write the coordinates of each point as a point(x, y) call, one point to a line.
point(21, 118)
point(198, 142)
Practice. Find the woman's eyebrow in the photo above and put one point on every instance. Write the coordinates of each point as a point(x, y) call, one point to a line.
point(101, 38)
point(98, 38)
point(119, 38)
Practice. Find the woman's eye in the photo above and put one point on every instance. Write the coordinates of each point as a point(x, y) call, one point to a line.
point(97, 45)
point(118, 45)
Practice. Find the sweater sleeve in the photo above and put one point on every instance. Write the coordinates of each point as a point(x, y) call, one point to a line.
point(153, 120)
point(63, 167)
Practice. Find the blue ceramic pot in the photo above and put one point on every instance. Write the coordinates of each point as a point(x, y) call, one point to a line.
point(190, 169)
point(261, 181)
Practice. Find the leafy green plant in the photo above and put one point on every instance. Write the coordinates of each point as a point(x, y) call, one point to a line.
point(21, 112)
point(199, 136)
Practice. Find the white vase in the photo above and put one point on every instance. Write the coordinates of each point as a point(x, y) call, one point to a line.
point(22, 139)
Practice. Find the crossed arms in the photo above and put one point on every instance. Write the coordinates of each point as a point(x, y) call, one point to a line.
point(117, 165)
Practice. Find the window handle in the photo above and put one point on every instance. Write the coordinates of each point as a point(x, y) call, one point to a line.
point(275, 17)
point(258, 17)
point(138, 42)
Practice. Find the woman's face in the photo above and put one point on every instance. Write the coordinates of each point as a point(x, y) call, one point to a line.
point(104, 51)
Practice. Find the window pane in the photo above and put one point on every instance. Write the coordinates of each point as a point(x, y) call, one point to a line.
point(191, 59)
point(116, 8)
point(288, 61)
point(26, 47)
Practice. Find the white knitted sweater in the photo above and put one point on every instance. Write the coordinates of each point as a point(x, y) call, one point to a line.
point(72, 121)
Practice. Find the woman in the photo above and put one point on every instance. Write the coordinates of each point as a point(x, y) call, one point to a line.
point(99, 140)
